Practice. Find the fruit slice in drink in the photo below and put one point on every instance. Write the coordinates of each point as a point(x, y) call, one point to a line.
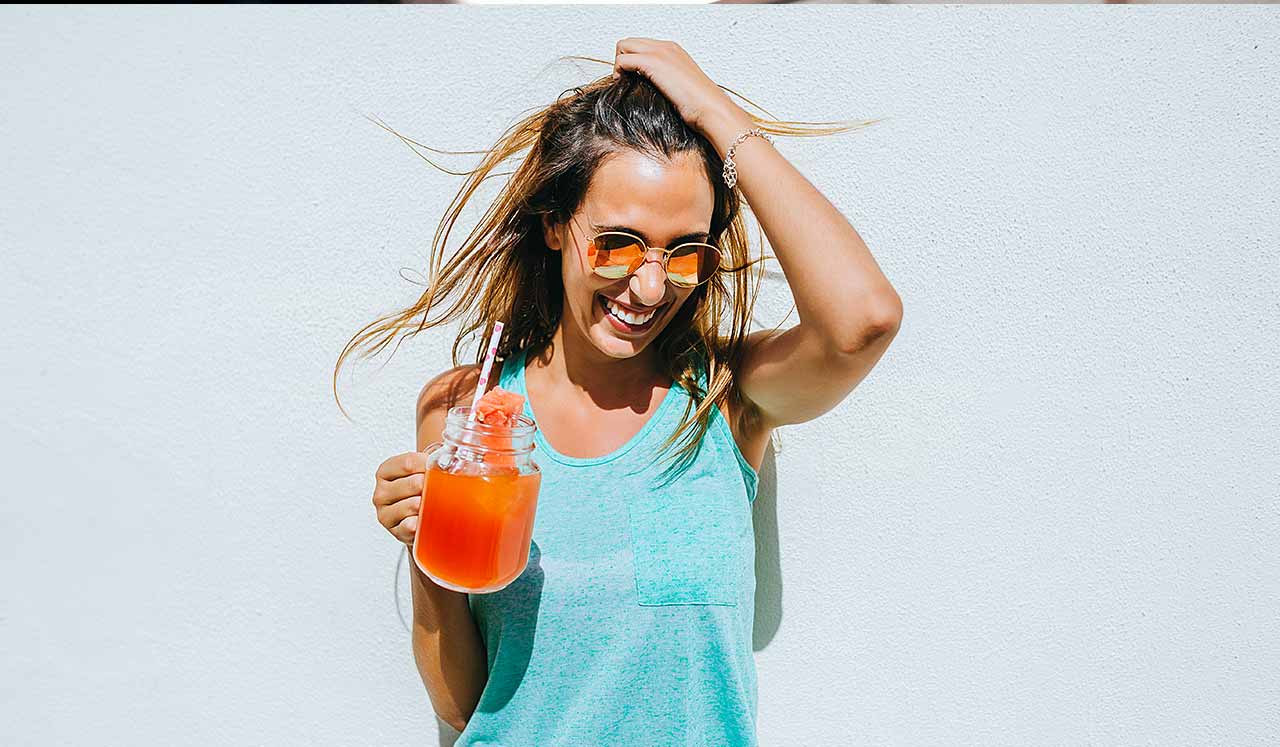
point(499, 407)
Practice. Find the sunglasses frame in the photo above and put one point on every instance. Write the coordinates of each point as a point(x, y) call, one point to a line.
point(666, 257)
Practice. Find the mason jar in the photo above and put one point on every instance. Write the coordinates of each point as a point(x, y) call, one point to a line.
point(479, 499)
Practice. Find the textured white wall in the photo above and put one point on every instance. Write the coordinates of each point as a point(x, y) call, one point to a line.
point(1049, 516)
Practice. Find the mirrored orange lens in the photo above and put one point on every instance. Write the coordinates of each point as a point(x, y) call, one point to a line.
point(691, 264)
point(614, 255)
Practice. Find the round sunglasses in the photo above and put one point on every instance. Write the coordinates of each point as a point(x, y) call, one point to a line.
point(615, 255)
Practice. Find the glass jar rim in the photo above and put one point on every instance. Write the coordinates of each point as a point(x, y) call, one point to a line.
point(458, 416)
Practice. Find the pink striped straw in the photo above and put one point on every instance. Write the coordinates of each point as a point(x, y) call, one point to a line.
point(485, 369)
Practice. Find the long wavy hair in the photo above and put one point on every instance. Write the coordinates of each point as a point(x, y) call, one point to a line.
point(504, 270)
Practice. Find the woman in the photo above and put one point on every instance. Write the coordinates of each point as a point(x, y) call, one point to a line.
point(632, 622)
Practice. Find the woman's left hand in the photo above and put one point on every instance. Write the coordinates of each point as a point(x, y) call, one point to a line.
point(674, 72)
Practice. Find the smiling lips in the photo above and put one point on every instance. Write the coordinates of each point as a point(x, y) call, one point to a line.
point(632, 318)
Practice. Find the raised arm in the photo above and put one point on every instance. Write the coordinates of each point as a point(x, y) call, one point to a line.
point(849, 313)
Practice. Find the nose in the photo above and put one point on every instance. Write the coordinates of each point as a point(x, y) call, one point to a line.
point(649, 283)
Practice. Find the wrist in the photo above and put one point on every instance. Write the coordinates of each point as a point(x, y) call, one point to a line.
point(429, 597)
point(723, 125)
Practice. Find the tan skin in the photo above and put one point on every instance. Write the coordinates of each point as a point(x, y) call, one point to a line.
point(605, 385)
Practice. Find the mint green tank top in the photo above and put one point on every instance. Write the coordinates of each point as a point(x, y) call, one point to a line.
point(631, 624)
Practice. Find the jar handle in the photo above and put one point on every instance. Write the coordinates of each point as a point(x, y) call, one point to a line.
point(432, 447)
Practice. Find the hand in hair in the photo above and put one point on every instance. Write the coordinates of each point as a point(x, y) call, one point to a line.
point(674, 72)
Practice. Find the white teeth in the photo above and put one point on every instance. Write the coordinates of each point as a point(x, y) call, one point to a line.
point(628, 317)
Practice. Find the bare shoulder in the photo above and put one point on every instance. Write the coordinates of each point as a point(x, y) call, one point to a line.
point(447, 389)
point(453, 387)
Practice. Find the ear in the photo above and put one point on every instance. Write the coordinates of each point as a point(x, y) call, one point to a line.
point(550, 233)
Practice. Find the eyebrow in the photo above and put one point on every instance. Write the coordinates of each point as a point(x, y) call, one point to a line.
point(696, 235)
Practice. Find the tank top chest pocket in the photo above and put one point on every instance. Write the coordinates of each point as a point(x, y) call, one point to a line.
point(691, 543)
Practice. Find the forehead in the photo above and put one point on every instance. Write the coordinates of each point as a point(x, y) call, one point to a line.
point(662, 198)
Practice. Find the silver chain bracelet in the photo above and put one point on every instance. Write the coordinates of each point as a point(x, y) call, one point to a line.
point(731, 172)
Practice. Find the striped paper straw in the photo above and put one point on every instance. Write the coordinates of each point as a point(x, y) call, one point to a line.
point(485, 369)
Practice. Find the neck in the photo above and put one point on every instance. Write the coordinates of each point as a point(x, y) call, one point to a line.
point(574, 361)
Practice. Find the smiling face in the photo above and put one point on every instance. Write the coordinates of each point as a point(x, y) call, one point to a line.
point(663, 202)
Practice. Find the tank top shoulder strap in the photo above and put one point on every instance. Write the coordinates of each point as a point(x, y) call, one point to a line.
point(511, 377)
point(722, 435)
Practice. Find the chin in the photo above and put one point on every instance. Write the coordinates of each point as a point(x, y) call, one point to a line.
point(601, 334)
point(620, 349)
point(614, 346)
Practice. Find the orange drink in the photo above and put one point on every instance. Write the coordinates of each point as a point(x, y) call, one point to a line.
point(474, 531)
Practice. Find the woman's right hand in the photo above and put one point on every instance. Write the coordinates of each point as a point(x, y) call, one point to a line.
point(397, 494)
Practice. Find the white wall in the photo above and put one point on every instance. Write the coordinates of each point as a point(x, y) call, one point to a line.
point(1048, 516)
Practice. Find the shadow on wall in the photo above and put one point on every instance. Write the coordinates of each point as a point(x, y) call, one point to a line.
point(448, 737)
point(764, 517)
